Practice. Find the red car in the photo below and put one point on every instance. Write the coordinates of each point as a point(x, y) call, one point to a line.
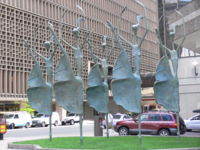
point(161, 123)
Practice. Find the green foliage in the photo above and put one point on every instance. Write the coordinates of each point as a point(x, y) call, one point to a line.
point(117, 143)
point(27, 108)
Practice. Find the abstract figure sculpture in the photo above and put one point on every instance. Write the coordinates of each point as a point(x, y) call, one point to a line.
point(97, 91)
point(39, 91)
point(68, 87)
point(166, 87)
point(126, 85)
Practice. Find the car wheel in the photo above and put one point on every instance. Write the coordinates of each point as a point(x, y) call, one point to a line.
point(43, 124)
point(12, 126)
point(123, 131)
point(27, 125)
point(56, 123)
point(164, 132)
point(64, 123)
point(71, 122)
point(189, 130)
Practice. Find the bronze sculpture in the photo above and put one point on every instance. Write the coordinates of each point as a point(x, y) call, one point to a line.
point(40, 92)
point(69, 87)
point(97, 91)
point(166, 87)
point(126, 85)
point(130, 96)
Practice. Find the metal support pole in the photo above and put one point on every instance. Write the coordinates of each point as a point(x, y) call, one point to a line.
point(139, 128)
point(81, 128)
point(107, 131)
point(178, 124)
point(50, 128)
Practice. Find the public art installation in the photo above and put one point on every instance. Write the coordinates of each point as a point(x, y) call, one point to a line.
point(97, 91)
point(68, 87)
point(166, 87)
point(126, 85)
point(40, 92)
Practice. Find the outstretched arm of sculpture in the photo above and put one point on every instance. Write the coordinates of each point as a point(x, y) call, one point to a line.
point(34, 50)
point(184, 35)
point(116, 34)
point(125, 40)
point(163, 47)
point(76, 30)
point(104, 44)
point(34, 47)
point(30, 50)
point(146, 23)
point(94, 57)
point(68, 44)
point(50, 26)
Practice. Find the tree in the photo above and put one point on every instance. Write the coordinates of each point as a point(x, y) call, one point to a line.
point(27, 108)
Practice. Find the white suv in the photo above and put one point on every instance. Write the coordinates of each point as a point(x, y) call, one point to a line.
point(71, 119)
point(43, 120)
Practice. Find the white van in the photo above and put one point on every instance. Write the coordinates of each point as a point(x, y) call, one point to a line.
point(43, 120)
point(18, 119)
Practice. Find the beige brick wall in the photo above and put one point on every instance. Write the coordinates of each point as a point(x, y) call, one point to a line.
point(19, 18)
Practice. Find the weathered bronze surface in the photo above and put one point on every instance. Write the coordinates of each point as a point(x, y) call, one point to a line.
point(97, 91)
point(68, 88)
point(39, 91)
point(166, 87)
point(126, 85)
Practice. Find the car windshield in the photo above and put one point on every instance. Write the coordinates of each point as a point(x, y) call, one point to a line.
point(116, 116)
point(40, 116)
point(71, 115)
point(9, 116)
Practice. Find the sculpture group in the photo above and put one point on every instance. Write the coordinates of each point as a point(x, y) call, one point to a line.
point(126, 84)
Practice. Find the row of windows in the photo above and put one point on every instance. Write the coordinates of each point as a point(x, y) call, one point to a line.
point(156, 117)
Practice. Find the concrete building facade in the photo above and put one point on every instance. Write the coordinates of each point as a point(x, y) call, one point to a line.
point(20, 18)
point(189, 69)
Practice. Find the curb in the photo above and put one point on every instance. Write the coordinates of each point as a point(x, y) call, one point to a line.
point(37, 147)
point(32, 147)
point(24, 146)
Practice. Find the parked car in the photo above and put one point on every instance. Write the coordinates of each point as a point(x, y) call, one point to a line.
point(113, 119)
point(193, 123)
point(71, 119)
point(119, 117)
point(18, 119)
point(43, 120)
point(161, 123)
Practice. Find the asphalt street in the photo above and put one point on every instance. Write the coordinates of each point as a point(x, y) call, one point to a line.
point(22, 134)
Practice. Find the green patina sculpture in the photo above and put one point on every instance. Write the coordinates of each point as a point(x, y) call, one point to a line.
point(97, 91)
point(68, 88)
point(39, 91)
point(126, 85)
point(166, 87)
